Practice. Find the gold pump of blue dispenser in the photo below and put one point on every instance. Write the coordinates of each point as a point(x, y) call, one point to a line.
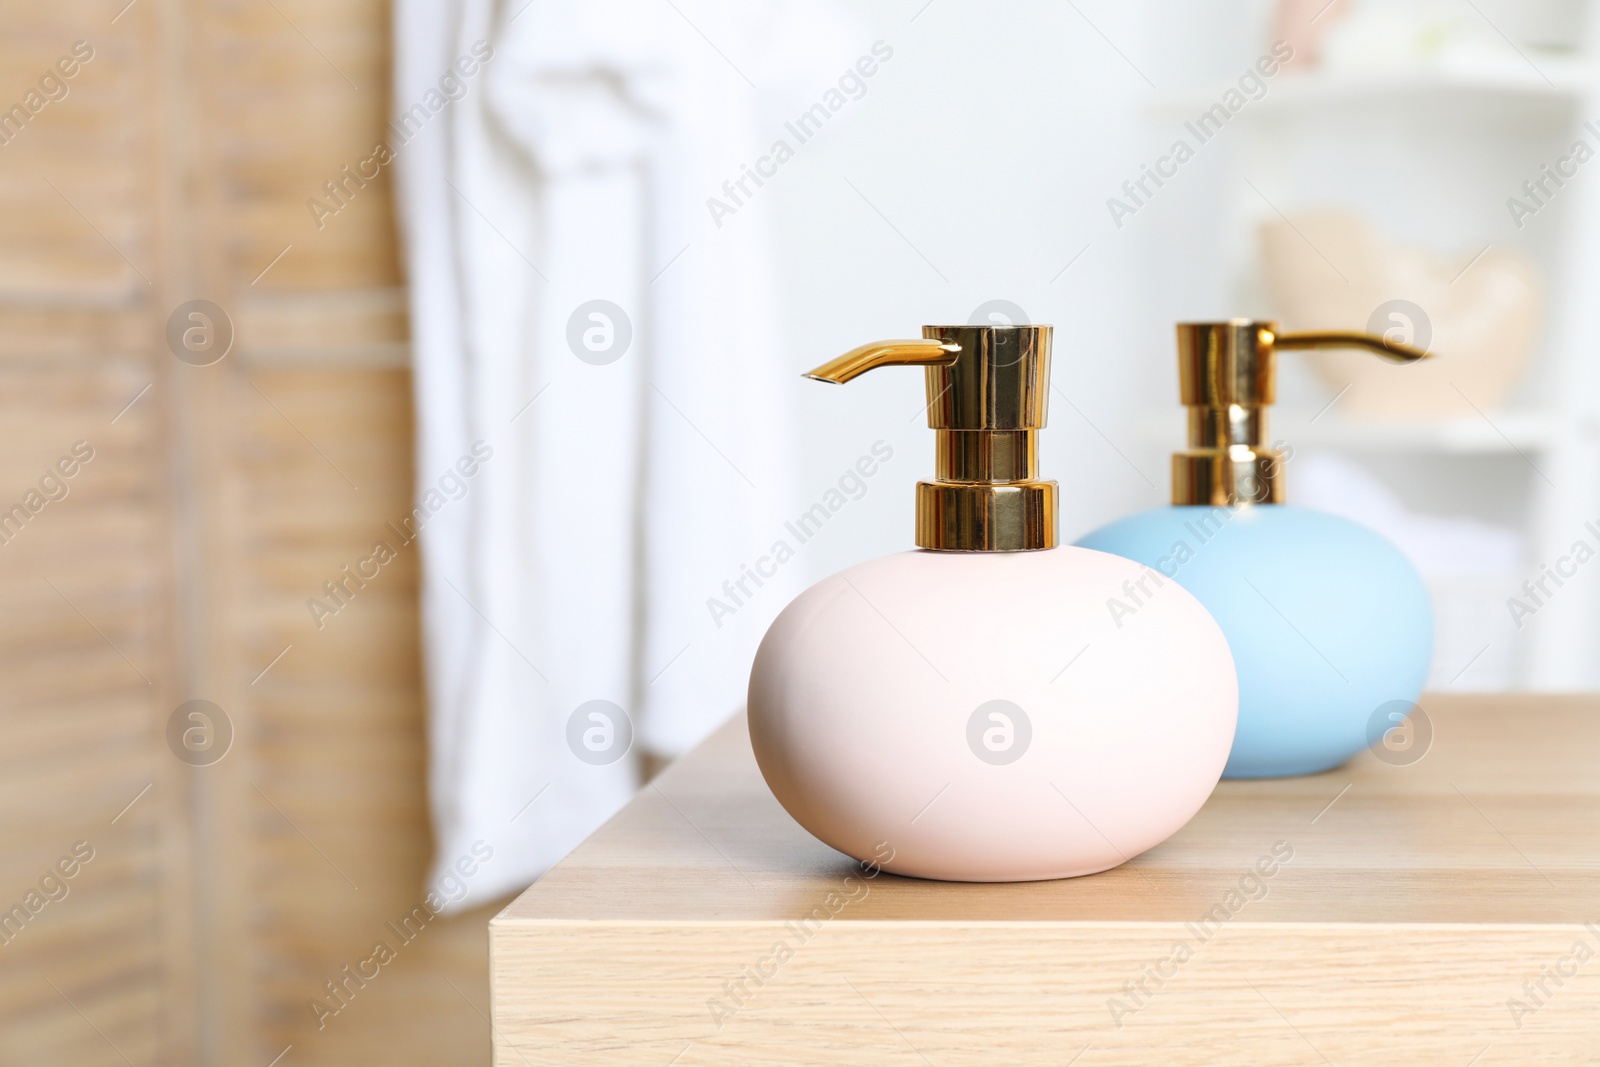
point(1227, 378)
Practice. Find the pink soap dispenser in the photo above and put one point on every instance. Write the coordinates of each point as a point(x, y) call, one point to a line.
point(971, 711)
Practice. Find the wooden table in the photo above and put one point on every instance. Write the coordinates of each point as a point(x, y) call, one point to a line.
point(1425, 913)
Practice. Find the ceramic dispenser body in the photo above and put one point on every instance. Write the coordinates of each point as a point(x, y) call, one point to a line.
point(970, 710)
point(1330, 626)
point(1327, 621)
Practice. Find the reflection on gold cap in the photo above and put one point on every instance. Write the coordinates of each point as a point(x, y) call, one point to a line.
point(988, 388)
point(1226, 378)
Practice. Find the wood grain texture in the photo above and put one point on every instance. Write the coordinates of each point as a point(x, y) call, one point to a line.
point(75, 714)
point(84, 641)
point(338, 807)
point(177, 167)
point(1414, 903)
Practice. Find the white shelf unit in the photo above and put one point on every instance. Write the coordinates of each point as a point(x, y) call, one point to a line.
point(1509, 90)
point(1431, 154)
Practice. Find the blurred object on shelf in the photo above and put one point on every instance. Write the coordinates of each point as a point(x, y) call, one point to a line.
point(1443, 33)
point(1468, 566)
point(1479, 314)
point(1552, 25)
point(1303, 24)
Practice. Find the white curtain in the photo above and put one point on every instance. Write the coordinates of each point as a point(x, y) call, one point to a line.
point(549, 157)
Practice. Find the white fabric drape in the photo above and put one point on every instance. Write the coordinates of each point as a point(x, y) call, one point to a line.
point(573, 165)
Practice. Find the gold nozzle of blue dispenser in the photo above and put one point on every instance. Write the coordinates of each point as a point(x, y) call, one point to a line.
point(1227, 378)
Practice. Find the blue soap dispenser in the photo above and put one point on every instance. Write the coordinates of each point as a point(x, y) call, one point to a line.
point(1330, 626)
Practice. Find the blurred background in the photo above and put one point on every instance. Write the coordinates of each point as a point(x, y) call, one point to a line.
point(276, 275)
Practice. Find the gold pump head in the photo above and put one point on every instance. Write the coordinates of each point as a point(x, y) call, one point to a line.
point(1227, 377)
point(988, 388)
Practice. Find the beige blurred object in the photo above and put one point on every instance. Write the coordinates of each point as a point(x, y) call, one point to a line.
point(1481, 315)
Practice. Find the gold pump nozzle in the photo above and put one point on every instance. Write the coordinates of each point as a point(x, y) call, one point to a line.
point(988, 390)
point(1227, 377)
point(857, 361)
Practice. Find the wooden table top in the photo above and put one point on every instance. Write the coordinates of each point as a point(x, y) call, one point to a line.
point(1498, 823)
